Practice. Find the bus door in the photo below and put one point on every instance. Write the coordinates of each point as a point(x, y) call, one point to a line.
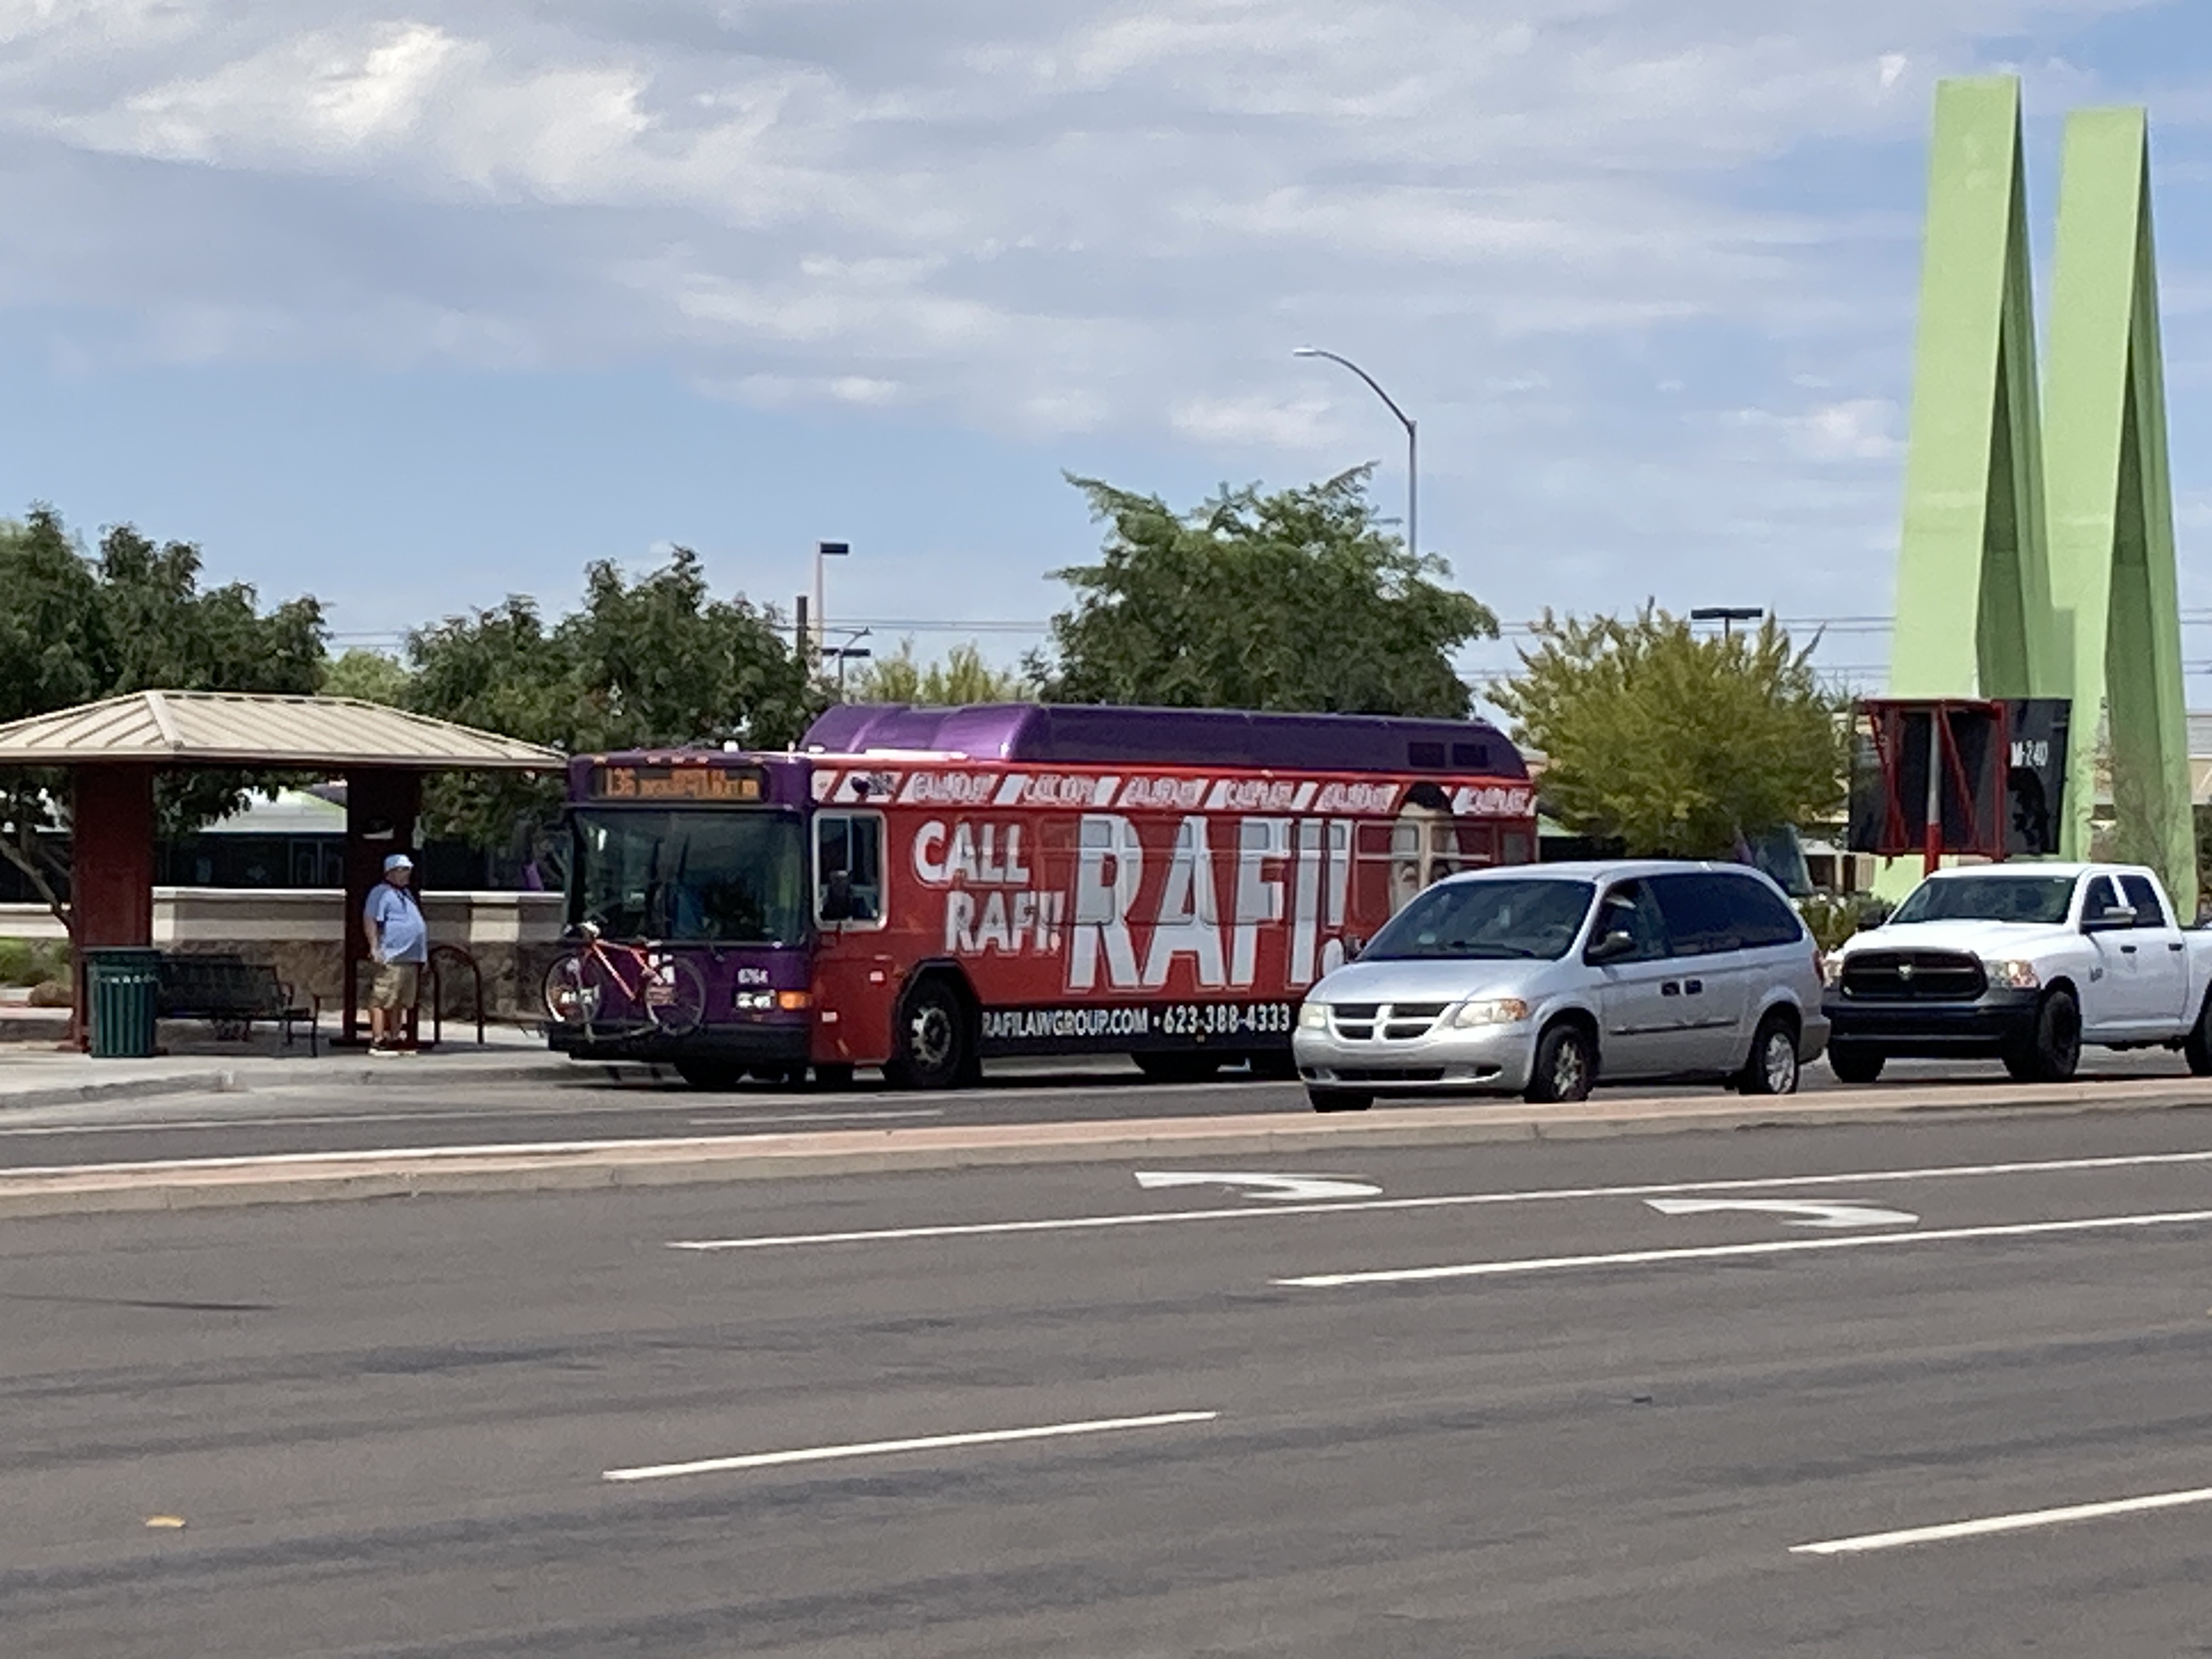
point(854, 976)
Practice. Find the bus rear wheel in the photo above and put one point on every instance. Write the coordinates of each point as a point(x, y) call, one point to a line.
point(933, 1047)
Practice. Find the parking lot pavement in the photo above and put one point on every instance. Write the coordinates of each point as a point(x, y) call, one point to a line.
point(1525, 1400)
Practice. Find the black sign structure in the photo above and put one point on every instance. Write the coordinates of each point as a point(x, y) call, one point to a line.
point(1991, 775)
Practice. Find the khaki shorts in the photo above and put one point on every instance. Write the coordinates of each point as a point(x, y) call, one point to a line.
point(395, 985)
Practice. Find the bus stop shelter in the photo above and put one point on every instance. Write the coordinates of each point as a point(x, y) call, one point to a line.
point(113, 750)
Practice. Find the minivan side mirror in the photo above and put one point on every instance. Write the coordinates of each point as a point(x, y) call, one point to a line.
point(1611, 948)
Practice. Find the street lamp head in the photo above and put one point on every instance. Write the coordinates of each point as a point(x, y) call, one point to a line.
point(833, 549)
point(1728, 613)
point(1305, 352)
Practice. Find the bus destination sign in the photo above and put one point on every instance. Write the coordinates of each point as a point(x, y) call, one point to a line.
point(729, 786)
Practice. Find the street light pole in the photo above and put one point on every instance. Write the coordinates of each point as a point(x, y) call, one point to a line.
point(823, 551)
point(1413, 441)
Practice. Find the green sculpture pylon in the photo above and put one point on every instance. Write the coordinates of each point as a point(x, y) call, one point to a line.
point(2111, 502)
point(1974, 580)
point(2038, 553)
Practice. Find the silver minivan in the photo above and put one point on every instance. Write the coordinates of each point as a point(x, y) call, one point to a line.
point(1541, 979)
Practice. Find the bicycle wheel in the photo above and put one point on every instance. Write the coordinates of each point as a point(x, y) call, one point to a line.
point(675, 994)
point(571, 998)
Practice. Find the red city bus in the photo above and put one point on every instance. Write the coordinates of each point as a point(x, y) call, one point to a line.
point(924, 889)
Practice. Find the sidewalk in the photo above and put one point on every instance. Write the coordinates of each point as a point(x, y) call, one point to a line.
point(36, 1070)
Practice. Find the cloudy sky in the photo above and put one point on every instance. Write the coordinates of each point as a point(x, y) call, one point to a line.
point(417, 307)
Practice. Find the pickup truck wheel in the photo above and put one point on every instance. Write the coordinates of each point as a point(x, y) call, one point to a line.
point(1852, 1064)
point(2053, 1050)
point(1772, 1067)
point(2197, 1046)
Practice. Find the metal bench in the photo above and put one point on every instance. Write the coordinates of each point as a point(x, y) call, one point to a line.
point(231, 993)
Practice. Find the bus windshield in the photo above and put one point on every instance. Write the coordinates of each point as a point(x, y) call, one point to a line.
point(731, 877)
point(2045, 899)
point(1490, 919)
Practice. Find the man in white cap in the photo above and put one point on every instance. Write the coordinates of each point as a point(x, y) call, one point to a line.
point(398, 944)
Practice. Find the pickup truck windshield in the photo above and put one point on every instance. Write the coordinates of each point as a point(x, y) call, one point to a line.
point(2035, 899)
point(1486, 921)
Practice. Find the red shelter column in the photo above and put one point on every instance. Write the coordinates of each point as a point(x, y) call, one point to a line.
point(382, 804)
point(111, 863)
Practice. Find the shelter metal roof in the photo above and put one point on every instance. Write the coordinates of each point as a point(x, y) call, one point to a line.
point(259, 729)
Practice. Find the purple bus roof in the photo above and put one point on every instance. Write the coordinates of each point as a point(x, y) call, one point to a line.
point(1090, 734)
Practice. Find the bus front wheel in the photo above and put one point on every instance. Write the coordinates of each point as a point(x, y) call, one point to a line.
point(934, 1047)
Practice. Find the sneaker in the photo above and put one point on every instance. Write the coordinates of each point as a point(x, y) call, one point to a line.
point(381, 1051)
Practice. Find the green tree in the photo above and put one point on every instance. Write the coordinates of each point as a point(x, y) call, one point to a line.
point(76, 628)
point(1674, 742)
point(1295, 600)
point(657, 662)
point(963, 678)
point(367, 676)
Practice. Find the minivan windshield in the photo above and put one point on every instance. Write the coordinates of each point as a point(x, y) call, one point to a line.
point(1487, 920)
point(728, 876)
point(2044, 899)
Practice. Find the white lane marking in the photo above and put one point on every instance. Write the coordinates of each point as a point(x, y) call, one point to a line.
point(1279, 1187)
point(1799, 1211)
point(2024, 1521)
point(1540, 1264)
point(928, 1443)
point(811, 1117)
point(1444, 1201)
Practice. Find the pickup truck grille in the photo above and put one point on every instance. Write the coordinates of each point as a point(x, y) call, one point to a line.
point(1914, 977)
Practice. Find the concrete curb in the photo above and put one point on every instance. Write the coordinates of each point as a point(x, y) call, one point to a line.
point(203, 1183)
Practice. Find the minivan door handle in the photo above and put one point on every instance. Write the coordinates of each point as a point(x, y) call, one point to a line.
point(2127, 950)
point(1696, 987)
point(1670, 989)
point(2176, 946)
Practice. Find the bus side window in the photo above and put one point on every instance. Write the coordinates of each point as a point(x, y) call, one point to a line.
point(849, 859)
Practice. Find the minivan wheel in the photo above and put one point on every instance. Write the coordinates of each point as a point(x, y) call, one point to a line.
point(1339, 1100)
point(1772, 1067)
point(1566, 1067)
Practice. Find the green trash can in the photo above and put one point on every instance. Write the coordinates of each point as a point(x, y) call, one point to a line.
point(121, 983)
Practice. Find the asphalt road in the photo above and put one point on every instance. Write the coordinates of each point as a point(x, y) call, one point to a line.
point(588, 1105)
point(1607, 1430)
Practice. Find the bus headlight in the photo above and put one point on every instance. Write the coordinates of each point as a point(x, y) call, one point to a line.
point(1495, 1010)
point(1313, 1016)
point(2013, 975)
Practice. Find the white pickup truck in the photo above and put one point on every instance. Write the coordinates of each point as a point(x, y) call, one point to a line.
point(2025, 963)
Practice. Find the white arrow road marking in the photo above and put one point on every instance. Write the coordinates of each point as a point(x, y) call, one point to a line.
point(1278, 1186)
point(1801, 1211)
